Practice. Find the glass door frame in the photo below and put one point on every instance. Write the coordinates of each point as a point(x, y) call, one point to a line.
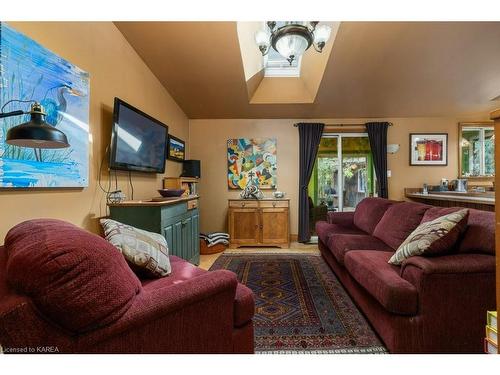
point(340, 182)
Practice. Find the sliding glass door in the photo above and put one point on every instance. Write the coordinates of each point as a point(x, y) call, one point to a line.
point(357, 170)
point(343, 175)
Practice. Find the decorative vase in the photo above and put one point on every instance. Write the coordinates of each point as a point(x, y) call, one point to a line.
point(252, 190)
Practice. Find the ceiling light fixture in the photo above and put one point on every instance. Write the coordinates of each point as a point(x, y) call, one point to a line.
point(292, 39)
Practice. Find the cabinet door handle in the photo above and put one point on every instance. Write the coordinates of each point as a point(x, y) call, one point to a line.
point(261, 226)
point(243, 204)
point(274, 204)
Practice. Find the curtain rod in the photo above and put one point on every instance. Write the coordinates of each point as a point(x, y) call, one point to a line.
point(341, 125)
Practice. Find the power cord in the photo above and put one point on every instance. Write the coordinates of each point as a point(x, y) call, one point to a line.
point(131, 185)
point(107, 191)
point(113, 196)
point(15, 101)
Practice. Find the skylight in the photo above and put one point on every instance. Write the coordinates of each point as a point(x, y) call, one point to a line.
point(277, 66)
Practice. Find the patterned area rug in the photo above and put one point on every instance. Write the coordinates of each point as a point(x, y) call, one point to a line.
point(301, 307)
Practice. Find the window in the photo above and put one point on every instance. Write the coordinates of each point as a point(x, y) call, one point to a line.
point(343, 173)
point(477, 150)
point(277, 66)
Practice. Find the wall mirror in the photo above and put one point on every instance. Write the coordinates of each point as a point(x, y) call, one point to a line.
point(476, 150)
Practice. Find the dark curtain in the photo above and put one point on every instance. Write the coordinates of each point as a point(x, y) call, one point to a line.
point(309, 139)
point(377, 133)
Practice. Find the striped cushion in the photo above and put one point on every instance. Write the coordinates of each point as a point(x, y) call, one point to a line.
point(434, 237)
point(145, 250)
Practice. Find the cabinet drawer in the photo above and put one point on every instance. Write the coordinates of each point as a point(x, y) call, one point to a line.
point(243, 204)
point(192, 204)
point(169, 212)
point(266, 204)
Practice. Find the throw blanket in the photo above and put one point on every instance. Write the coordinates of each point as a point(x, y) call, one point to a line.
point(215, 238)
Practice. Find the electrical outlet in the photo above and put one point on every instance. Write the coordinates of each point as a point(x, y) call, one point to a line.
point(389, 173)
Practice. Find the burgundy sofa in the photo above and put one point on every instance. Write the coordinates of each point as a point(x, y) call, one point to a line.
point(428, 304)
point(66, 290)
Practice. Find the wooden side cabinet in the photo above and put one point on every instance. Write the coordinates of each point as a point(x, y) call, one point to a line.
point(264, 222)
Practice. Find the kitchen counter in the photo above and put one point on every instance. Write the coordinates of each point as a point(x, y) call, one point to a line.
point(480, 201)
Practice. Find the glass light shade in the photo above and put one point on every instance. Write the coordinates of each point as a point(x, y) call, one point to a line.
point(291, 45)
point(322, 33)
point(262, 38)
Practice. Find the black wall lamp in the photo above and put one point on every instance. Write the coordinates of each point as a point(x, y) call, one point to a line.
point(35, 133)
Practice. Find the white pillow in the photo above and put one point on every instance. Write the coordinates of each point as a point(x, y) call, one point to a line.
point(145, 250)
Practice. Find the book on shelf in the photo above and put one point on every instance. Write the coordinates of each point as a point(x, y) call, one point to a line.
point(492, 334)
point(490, 347)
point(492, 319)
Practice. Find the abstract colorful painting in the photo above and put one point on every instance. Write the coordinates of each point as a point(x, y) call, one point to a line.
point(251, 158)
point(28, 71)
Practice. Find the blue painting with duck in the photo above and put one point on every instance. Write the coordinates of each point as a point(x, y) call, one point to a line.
point(29, 71)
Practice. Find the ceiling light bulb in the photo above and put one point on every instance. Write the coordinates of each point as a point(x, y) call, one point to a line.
point(262, 38)
point(291, 46)
point(322, 33)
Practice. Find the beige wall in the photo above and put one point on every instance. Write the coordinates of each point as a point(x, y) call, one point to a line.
point(208, 143)
point(115, 70)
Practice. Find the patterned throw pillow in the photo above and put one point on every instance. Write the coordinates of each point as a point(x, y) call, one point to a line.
point(434, 237)
point(145, 250)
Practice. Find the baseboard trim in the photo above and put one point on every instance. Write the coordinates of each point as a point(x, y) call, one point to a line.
point(294, 237)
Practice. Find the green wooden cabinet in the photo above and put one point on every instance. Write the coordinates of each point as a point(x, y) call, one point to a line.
point(178, 222)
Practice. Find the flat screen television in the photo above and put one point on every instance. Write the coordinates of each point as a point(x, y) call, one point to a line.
point(138, 141)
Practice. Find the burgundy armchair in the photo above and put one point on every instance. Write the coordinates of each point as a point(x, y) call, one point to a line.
point(63, 289)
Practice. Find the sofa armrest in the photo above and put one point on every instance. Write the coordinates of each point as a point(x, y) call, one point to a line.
point(454, 293)
point(458, 263)
point(345, 219)
point(194, 316)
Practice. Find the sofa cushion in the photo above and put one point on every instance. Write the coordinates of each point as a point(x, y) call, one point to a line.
point(382, 280)
point(182, 270)
point(75, 278)
point(324, 230)
point(479, 237)
point(145, 251)
point(369, 212)
point(340, 244)
point(435, 237)
point(399, 221)
point(345, 219)
point(435, 212)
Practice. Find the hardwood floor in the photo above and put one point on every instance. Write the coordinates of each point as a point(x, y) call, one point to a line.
point(206, 261)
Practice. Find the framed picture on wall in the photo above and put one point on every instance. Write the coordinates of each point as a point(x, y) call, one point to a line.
point(176, 149)
point(31, 72)
point(429, 149)
point(251, 159)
